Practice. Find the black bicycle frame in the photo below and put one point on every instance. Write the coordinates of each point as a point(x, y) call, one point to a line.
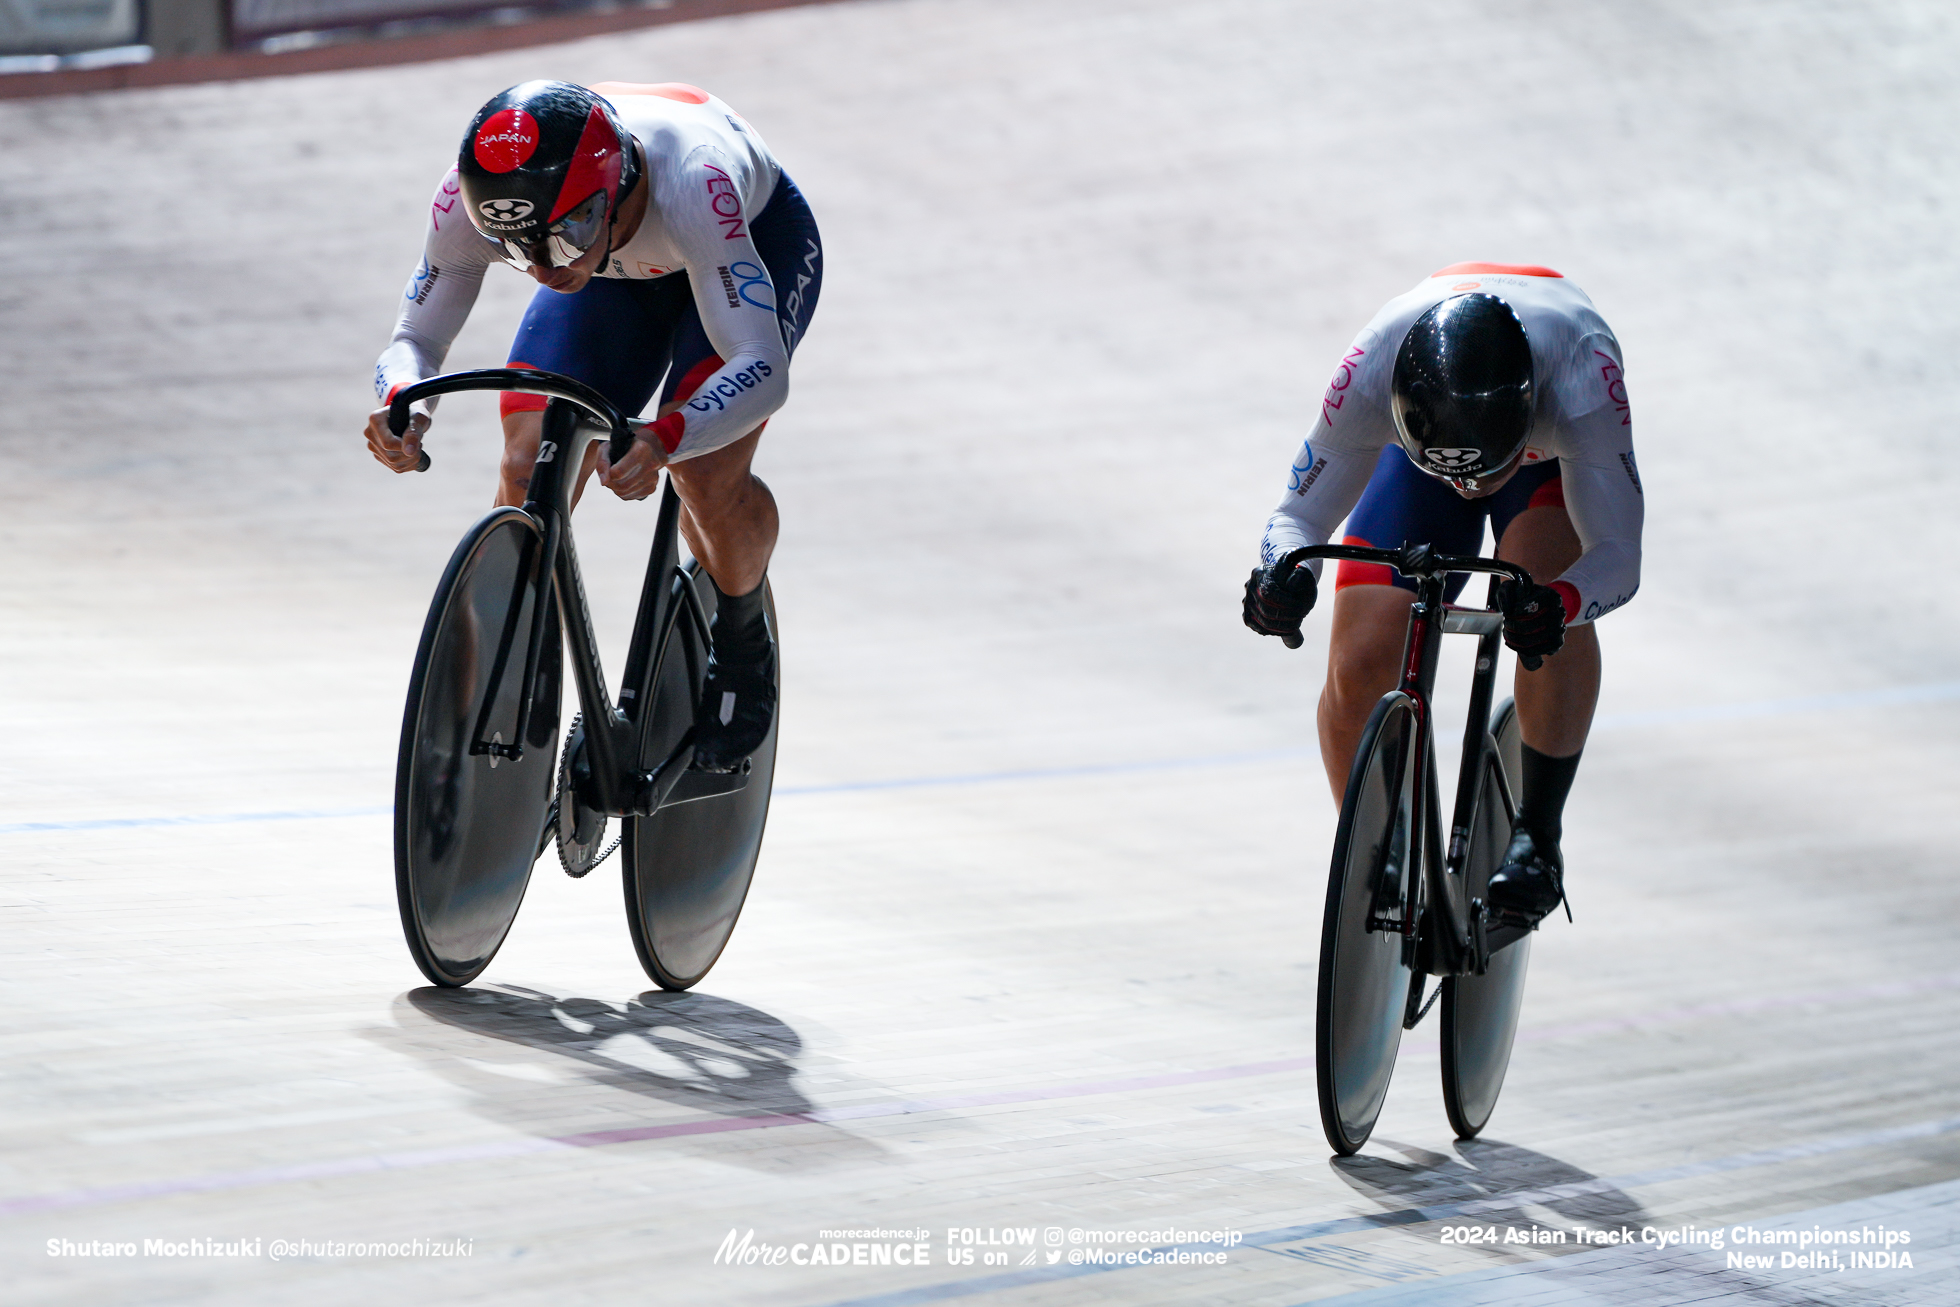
point(617, 783)
point(1465, 945)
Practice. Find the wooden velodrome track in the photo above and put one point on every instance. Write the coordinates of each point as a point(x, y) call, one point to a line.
point(1033, 937)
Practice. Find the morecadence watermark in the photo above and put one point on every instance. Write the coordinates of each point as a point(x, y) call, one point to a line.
point(1019, 1246)
point(259, 1248)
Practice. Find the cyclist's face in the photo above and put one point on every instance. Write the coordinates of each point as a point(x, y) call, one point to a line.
point(571, 279)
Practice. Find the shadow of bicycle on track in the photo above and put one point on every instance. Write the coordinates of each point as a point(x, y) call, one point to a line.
point(690, 1050)
point(1489, 1182)
point(1492, 1183)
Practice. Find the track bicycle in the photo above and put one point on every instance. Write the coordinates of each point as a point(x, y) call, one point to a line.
point(478, 798)
point(1400, 905)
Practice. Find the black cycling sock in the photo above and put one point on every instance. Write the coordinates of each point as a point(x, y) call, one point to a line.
point(1544, 785)
point(741, 621)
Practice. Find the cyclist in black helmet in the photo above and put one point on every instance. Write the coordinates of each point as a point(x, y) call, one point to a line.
point(673, 257)
point(1488, 391)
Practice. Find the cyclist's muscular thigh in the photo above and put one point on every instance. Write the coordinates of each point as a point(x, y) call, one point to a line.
point(1541, 540)
point(728, 515)
point(1364, 662)
point(522, 432)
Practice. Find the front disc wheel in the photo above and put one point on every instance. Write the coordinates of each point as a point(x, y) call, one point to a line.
point(468, 822)
point(1372, 888)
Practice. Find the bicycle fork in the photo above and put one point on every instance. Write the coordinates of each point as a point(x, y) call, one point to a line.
point(1420, 844)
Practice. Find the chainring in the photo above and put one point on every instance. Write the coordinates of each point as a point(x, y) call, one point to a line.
point(580, 831)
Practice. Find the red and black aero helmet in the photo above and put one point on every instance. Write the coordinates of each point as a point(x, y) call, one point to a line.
point(543, 169)
point(1462, 392)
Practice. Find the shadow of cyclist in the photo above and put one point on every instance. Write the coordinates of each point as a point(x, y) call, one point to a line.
point(1489, 1181)
point(693, 1051)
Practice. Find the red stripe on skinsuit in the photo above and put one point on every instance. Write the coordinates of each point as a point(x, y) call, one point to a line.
point(697, 376)
point(1497, 269)
point(1549, 495)
point(1353, 573)
point(516, 401)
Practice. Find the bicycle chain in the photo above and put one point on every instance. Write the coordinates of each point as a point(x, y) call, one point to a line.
point(567, 794)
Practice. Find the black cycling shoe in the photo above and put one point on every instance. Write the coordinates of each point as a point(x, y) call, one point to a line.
point(737, 708)
point(1532, 880)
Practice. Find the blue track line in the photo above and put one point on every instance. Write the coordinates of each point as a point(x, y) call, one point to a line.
point(198, 819)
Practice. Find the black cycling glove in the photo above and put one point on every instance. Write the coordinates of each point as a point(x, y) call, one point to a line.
point(1278, 597)
point(1534, 621)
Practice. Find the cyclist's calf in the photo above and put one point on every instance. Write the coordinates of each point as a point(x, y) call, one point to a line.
point(728, 515)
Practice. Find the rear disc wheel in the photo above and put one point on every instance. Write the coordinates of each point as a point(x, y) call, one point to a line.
point(1480, 1013)
point(688, 867)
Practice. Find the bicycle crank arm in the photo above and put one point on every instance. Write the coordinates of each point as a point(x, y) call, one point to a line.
point(1492, 932)
point(674, 783)
point(655, 786)
point(708, 784)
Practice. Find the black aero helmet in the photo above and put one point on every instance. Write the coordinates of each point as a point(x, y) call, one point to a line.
point(543, 169)
point(1462, 391)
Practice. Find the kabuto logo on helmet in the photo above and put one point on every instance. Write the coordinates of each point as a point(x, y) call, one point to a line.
point(505, 212)
point(506, 139)
point(1451, 459)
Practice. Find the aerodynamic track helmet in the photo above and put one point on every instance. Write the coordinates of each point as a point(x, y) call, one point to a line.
point(543, 169)
point(1462, 390)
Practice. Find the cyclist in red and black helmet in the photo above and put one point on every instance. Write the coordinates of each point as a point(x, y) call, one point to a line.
point(543, 169)
point(678, 266)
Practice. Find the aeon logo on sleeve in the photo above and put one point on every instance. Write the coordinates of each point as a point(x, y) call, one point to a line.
point(1337, 388)
point(505, 213)
point(1616, 386)
point(726, 204)
point(506, 139)
point(452, 188)
point(1451, 459)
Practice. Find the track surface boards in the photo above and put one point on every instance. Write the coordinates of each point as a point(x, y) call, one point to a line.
point(1032, 940)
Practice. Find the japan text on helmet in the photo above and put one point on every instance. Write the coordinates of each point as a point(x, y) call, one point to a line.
point(1462, 391)
point(543, 169)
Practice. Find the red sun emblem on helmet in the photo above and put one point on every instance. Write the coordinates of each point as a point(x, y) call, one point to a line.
point(506, 140)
